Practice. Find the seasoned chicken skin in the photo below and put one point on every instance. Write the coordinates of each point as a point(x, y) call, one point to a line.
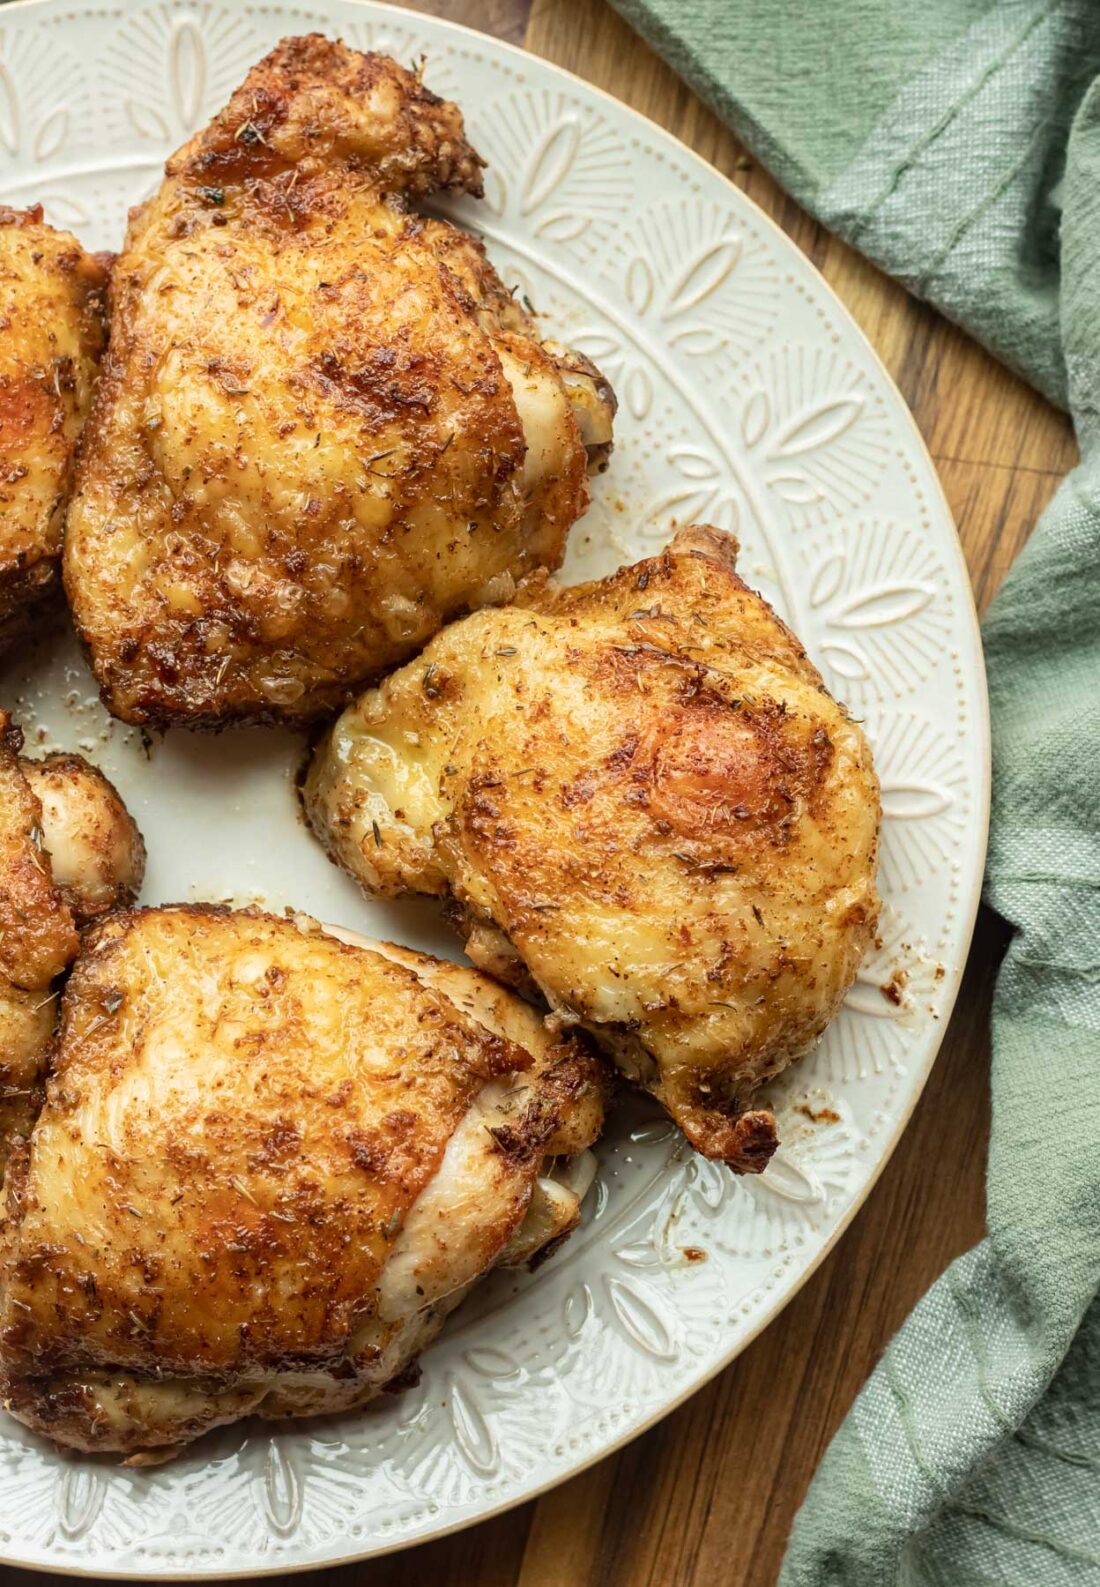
point(69, 852)
point(52, 308)
point(95, 851)
point(324, 426)
point(638, 797)
point(268, 1165)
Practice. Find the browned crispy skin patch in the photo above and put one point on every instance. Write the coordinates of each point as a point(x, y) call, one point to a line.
point(210, 1152)
point(308, 449)
point(636, 795)
point(245, 1118)
point(52, 303)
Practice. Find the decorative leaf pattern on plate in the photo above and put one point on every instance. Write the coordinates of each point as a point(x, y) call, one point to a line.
point(814, 426)
point(703, 1206)
point(804, 1184)
point(292, 1491)
point(471, 1431)
point(45, 107)
point(922, 778)
point(474, 1430)
point(560, 171)
point(10, 128)
point(876, 590)
point(62, 209)
point(706, 280)
point(873, 1035)
point(895, 991)
point(61, 1506)
point(283, 1489)
point(169, 68)
point(81, 1493)
point(704, 492)
point(642, 1317)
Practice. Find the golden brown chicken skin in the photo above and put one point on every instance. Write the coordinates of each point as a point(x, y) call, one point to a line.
point(37, 931)
point(95, 852)
point(69, 853)
point(324, 426)
point(639, 797)
point(268, 1165)
point(52, 328)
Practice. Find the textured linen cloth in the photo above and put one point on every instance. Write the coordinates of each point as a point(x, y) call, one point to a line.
point(958, 144)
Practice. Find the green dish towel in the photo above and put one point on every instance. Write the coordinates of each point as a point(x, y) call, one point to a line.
point(957, 142)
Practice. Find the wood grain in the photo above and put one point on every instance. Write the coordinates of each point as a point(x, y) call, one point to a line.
point(506, 19)
point(708, 1495)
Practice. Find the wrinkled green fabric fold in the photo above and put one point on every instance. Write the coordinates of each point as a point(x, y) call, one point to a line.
point(930, 134)
point(958, 144)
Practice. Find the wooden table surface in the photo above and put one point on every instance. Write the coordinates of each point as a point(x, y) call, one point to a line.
point(708, 1495)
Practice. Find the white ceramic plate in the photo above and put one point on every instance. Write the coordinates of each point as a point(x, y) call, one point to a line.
point(749, 400)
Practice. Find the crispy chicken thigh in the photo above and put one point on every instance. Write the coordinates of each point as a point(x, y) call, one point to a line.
point(69, 852)
point(638, 797)
point(324, 426)
point(52, 305)
point(269, 1164)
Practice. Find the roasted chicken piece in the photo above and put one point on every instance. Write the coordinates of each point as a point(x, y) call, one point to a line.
point(324, 425)
point(69, 853)
point(268, 1165)
point(52, 306)
point(95, 851)
point(639, 799)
